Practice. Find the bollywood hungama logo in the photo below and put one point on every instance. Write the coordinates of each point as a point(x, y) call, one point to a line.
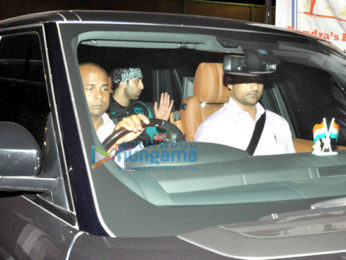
point(155, 154)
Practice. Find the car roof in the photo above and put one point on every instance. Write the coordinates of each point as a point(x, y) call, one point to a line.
point(80, 16)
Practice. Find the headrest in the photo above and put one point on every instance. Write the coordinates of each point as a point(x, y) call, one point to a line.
point(208, 84)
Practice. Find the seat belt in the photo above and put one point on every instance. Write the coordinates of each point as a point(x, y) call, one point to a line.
point(256, 135)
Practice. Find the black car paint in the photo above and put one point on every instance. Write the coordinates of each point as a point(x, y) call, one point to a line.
point(30, 223)
point(85, 211)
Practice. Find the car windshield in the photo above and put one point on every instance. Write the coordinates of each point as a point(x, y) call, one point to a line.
point(308, 85)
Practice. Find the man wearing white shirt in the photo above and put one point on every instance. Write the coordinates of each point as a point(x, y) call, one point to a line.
point(95, 82)
point(234, 124)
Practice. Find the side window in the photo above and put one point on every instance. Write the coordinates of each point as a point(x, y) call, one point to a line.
point(23, 96)
point(311, 94)
point(24, 100)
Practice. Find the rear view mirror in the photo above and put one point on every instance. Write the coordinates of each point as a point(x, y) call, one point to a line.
point(19, 152)
point(250, 64)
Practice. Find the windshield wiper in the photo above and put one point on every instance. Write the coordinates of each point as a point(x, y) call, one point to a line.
point(339, 202)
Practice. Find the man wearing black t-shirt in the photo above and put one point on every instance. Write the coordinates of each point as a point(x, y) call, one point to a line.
point(127, 86)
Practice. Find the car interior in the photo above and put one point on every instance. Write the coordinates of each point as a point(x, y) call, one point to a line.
point(194, 79)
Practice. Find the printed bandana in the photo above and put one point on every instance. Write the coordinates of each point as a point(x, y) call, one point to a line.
point(128, 74)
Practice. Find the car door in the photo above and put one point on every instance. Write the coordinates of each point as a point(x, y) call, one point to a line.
point(34, 225)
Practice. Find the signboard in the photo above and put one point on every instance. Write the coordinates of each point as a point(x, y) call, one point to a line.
point(325, 19)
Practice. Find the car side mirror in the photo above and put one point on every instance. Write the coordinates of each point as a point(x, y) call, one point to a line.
point(20, 154)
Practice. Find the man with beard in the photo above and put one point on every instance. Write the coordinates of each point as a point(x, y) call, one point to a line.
point(127, 86)
point(234, 123)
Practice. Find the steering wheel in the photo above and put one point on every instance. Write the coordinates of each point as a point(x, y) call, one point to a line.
point(174, 134)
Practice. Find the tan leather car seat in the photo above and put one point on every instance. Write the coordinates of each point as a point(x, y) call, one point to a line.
point(209, 95)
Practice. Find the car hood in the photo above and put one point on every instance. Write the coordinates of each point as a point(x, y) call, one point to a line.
point(310, 232)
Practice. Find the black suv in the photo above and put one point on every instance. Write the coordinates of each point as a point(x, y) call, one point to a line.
point(177, 199)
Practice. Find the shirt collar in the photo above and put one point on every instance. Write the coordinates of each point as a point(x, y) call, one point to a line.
point(235, 109)
point(105, 118)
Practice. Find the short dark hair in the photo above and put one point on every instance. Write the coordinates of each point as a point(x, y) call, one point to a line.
point(116, 73)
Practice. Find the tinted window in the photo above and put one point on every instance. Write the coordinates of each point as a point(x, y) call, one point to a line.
point(313, 89)
point(163, 70)
point(23, 97)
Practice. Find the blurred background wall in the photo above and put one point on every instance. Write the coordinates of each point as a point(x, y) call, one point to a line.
point(248, 12)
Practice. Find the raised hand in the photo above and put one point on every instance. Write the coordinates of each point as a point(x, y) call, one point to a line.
point(163, 111)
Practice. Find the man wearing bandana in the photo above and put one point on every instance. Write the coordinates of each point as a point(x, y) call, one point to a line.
point(95, 82)
point(127, 86)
